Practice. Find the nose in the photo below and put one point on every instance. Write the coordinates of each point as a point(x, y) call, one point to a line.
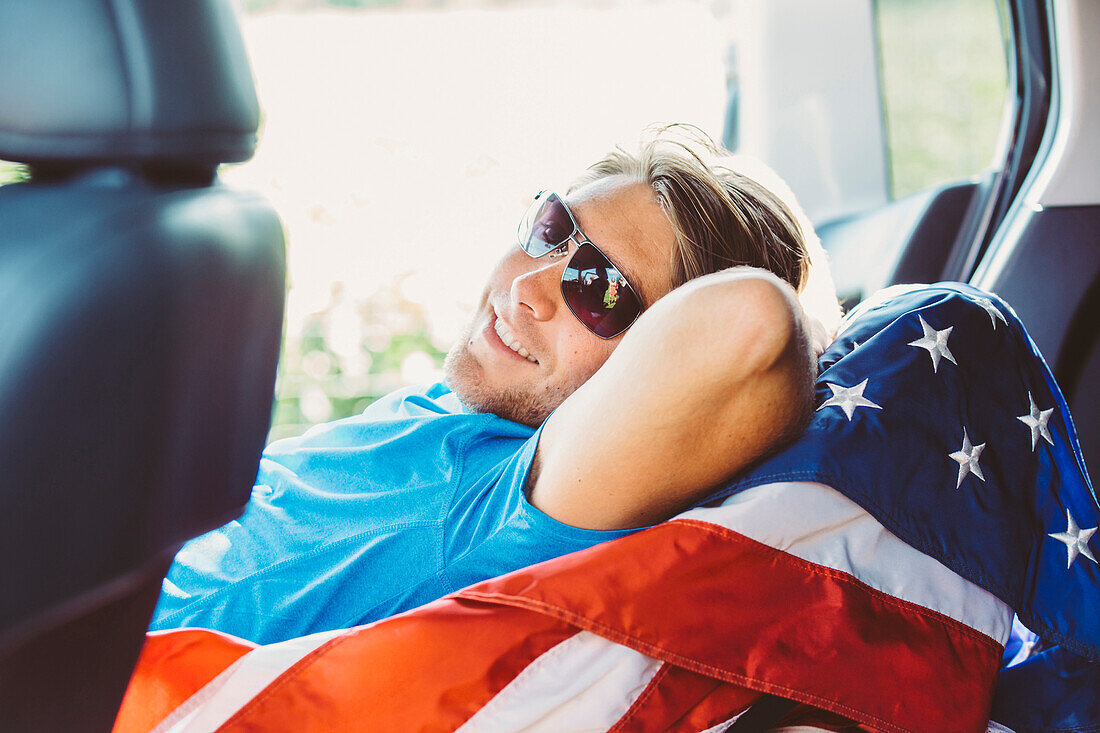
point(537, 289)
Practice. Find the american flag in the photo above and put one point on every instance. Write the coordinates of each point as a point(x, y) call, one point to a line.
point(869, 572)
point(941, 419)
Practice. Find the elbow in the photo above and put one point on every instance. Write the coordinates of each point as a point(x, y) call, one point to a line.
point(737, 323)
point(743, 342)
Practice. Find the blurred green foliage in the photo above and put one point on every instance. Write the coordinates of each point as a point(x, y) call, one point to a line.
point(348, 355)
point(944, 77)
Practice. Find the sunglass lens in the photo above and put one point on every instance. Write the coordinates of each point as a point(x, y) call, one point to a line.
point(598, 294)
point(546, 226)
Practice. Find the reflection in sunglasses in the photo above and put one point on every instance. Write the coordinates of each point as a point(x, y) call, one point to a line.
point(552, 223)
point(596, 292)
point(611, 297)
point(613, 279)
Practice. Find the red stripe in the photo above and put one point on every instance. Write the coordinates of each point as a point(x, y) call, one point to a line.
point(172, 667)
point(678, 700)
point(427, 670)
point(773, 622)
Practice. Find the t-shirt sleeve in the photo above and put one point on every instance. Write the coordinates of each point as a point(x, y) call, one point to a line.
point(495, 529)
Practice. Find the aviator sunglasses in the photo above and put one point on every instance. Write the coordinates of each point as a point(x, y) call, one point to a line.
point(595, 290)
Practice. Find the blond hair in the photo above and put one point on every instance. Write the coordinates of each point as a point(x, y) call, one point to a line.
point(720, 217)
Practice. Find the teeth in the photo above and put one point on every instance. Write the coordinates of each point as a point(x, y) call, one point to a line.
point(512, 342)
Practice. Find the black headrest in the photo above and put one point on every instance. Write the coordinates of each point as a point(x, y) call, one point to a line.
point(124, 81)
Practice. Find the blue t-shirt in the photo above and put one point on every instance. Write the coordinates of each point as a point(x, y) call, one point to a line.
point(366, 517)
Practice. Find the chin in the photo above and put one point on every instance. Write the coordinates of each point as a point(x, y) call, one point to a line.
point(466, 378)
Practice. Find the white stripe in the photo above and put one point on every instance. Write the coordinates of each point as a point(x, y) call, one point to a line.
point(819, 524)
point(585, 683)
point(219, 699)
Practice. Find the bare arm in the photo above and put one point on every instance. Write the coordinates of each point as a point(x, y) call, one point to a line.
point(711, 378)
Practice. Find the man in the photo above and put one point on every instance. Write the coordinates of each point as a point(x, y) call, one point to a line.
point(614, 373)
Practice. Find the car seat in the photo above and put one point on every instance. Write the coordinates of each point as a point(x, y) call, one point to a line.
point(140, 320)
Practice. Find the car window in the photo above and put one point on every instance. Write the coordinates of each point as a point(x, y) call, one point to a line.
point(944, 75)
point(401, 146)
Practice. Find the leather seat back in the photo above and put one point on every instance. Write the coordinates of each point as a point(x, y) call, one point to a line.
point(140, 322)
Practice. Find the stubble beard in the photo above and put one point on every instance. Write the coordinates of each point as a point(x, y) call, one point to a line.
point(466, 378)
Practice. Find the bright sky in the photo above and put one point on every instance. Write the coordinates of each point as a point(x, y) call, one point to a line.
point(398, 142)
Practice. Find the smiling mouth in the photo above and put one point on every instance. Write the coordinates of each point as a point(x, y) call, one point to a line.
point(511, 341)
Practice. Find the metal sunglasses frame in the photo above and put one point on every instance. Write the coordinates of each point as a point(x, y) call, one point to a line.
point(580, 239)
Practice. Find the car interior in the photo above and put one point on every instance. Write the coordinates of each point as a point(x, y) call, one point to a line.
point(1019, 229)
point(133, 283)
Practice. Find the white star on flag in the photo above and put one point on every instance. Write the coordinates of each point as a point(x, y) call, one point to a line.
point(1076, 540)
point(967, 458)
point(1037, 420)
point(848, 398)
point(992, 310)
point(936, 343)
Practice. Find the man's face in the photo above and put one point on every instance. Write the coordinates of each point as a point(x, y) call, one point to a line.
point(622, 217)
